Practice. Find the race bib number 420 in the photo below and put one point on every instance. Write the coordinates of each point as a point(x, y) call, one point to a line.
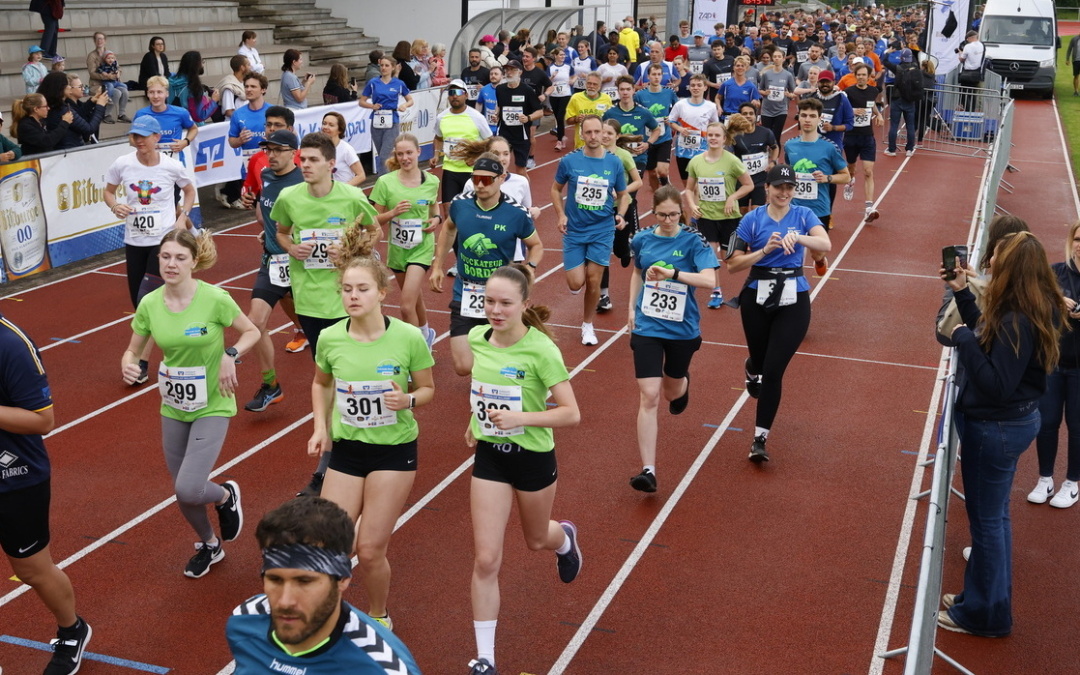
point(145, 221)
point(486, 397)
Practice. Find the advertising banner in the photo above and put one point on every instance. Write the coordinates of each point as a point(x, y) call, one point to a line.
point(708, 13)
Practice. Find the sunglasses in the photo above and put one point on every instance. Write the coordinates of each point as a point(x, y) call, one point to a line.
point(484, 180)
point(455, 91)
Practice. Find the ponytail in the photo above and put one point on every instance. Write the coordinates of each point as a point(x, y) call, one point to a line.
point(202, 247)
point(356, 249)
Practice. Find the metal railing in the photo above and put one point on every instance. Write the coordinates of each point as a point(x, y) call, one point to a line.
point(961, 120)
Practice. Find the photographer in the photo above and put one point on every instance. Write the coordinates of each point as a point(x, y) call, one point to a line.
point(294, 89)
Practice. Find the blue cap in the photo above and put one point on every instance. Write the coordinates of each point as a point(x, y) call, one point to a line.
point(34, 49)
point(699, 33)
point(146, 125)
point(906, 56)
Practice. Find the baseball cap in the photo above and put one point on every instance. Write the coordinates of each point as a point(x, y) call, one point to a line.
point(456, 84)
point(281, 137)
point(34, 49)
point(905, 56)
point(146, 125)
point(826, 75)
point(699, 33)
point(513, 64)
point(488, 38)
point(781, 174)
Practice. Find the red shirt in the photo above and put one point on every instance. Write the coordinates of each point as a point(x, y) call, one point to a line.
point(671, 52)
point(258, 162)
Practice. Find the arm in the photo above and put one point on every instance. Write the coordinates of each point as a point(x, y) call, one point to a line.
point(564, 414)
point(358, 170)
point(999, 370)
point(129, 361)
point(22, 421)
point(285, 241)
point(557, 205)
point(634, 184)
point(702, 279)
point(249, 335)
point(534, 250)
point(322, 405)
point(10, 151)
point(741, 260)
point(118, 209)
point(635, 290)
point(442, 244)
point(301, 94)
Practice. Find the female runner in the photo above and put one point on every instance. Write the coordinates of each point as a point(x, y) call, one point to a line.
point(347, 167)
point(672, 260)
point(408, 199)
point(363, 400)
point(197, 377)
point(515, 366)
point(616, 143)
point(775, 302)
point(756, 146)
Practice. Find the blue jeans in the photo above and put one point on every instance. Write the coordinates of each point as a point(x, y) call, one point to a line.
point(898, 107)
point(989, 450)
point(1061, 400)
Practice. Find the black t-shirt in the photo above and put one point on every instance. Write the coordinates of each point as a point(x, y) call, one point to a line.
point(479, 76)
point(760, 139)
point(514, 105)
point(862, 98)
point(717, 71)
point(799, 48)
point(537, 79)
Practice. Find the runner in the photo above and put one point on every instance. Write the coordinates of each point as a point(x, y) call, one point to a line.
point(197, 377)
point(519, 106)
point(717, 68)
point(454, 125)
point(514, 185)
point(775, 301)
point(595, 207)
point(516, 366)
point(582, 64)
point(347, 167)
point(738, 89)
point(26, 413)
point(618, 144)
point(560, 73)
point(371, 372)
point(658, 100)
point(610, 71)
point(592, 101)
point(777, 86)
point(717, 181)
point(150, 179)
point(178, 130)
point(300, 623)
point(408, 200)
point(475, 76)
point(859, 142)
point(383, 96)
point(482, 248)
point(487, 103)
point(670, 259)
point(756, 147)
point(689, 117)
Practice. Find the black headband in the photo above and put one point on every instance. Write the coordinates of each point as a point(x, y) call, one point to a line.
point(486, 164)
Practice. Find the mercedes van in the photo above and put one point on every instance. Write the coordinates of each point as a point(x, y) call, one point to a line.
point(1021, 42)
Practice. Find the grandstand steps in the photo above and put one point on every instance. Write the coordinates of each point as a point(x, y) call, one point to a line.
point(101, 15)
point(329, 39)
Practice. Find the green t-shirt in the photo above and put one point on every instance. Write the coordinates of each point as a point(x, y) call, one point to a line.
point(408, 242)
point(514, 378)
point(315, 280)
point(716, 182)
point(627, 161)
point(362, 370)
point(193, 342)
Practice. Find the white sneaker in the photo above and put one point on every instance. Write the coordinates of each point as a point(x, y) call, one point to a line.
point(1044, 489)
point(871, 214)
point(588, 335)
point(910, 153)
point(1066, 496)
point(530, 165)
point(849, 191)
point(967, 553)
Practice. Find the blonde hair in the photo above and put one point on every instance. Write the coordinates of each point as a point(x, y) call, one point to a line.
point(737, 125)
point(391, 161)
point(470, 151)
point(157, 81)
point(743, 59)
point(21, 109)
point(356, 249)
point(203, 250)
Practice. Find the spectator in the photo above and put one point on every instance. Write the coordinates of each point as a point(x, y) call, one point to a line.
point(154, 62)
point(420, 55)
point(63, 92)
point(294, 91)
point(186, 89)
point(247, 48)
point(501, 49)
point(338, 87)
point(372, 70)
point(34, 70)
point(109, 72)
point(9, 151)
point(57, 64)
point(347, 167)
point(629, 38)
point(230, 90)
point(402, 70)
point(28, 125)
point(437, 63)
point(51, 11)
point(487, 57)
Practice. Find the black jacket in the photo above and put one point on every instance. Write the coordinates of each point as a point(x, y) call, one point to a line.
point(87, 118)
point(36, 138)
point(1069, 280)
point(335, 93)
point(148, 67)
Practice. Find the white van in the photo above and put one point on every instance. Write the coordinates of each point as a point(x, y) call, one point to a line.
point(1021, 42)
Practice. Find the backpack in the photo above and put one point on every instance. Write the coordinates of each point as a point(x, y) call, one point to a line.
point(909, 82)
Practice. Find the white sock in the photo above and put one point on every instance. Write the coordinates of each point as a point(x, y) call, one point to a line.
point(575, 292)
point(650, 468)
point(565, 548)
point(485, 640)
point(759, 431)
point(424, 328)
point(214, 543)
point(603, 292)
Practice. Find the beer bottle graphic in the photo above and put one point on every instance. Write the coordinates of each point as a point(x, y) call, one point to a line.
point(23, 235)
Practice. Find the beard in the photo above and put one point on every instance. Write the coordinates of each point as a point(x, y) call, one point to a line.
point(308, 626)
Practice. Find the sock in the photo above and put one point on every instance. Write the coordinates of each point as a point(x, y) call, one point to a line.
point(213, 544)
point(603, 291)
point(485, 640)
point(565, 548)
point(269, 377)
point(604, 281)
point(759, 431)
point(585, 324)
point(717, 289)
point(424, 329)
point(576, 292)
point(73, 627)
point(869, 204)
point(650, 468)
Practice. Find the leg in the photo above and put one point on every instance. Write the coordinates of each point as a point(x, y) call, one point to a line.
point(412, 300)
point(490, 503)
point(50, 583)
point(648, 402)
point(788, 329)
point(1072, 421)
point(868, 180)
point(264, 348)
point(384, 497)
point(894, 125)
point(191, 450)
point(541, 532)
point(1051, 408)
point(593, 274)
point(909, 119)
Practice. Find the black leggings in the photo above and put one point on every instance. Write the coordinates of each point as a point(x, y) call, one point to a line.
point(775, 124)
point(143, 274)
point(558, 106)
point(772, 340)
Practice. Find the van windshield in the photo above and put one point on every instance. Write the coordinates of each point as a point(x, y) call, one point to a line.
point(1018, 30)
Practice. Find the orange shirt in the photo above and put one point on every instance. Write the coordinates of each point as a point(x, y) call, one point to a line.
point(849, 81)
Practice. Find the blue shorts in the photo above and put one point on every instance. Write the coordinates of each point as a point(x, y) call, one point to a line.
point(859, 147)
point(597, 250)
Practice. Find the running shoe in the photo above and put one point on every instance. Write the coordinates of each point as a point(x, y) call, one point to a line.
point(890, 153)
point(588, 335)
point(482, 667)
point(849, 191)
point(385, 620)
point(144, 375)
point(757, 450)
point(205, 556)
point(265, 397)
point(821, 266)
point(298, 343)
point(966, 553)
point(558, 146)
point(452, 272)
point(570, 562)
point(314, 487)
point(753, 382)
point(605, 304)
point(1066, 496)
point(948, 600)
point(429, 337)
point(644, 481)
point(531, 164)
point(68, 648)
point(910, 153)
point(716, 300)
point(1044, 489)
point(678, 405)
point(871, 215)
point(231, 513)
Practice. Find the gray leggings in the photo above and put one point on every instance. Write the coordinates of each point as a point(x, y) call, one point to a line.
point(382, 140)
point(191, 450)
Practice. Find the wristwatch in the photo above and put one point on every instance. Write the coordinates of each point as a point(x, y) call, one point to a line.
point(231, 351)
point(412, 401)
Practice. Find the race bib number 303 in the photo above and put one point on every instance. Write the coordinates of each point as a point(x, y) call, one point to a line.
point(486, 397)
point(711, 189)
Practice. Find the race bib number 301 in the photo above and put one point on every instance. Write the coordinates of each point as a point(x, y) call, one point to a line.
point(361, 404)
point(486, 397)
point(183, 389)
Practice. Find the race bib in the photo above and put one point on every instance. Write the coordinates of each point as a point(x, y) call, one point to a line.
point(690, 140)
point(248, 153)
point(591, 192)
point(183, 389)
point(146, 221)
point(805, 186)
point(513, 115)
point(472, 300)
point(776, 93)
point(722, 77)
point(279, 270)
point(711, 189)
point(382, 119)
point(561, 90)
point(485, 397)
point(755, 162)
point(765, 287)
point(696, 67)
point(361, 404)
point(406, 232)
point(664, 300)
point(579, 82)
point(862, 117)
point(492, 118)
point(612, 92)
point(802, 55)
point(472, 91)
point(320, 254)
point(449, 144)
point(826, 118)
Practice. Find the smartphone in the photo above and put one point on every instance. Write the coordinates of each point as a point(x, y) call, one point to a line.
point(948, 261)
point(961, 256)
point(352, 81)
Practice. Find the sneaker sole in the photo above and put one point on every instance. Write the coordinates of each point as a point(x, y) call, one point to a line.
point(1039, 498)
point(295, 350)
point(1071, 502)
point(213, 561)
point(276, 399)
point(872, 216)
point(758, 459)
point(239, 512)
point(642, 485)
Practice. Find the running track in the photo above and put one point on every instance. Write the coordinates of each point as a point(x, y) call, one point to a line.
point(800, 566)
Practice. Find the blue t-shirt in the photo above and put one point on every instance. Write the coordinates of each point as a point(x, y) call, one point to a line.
point(839, 67)
point(174, 120)
point(272, 185)
point(244, 117)
point(757, 226)
point(23, 462)
point(641, 76)
point(486, 240)
point(736, 94)
point(595, 179)
point(821, 155)
point(490, 106)
point(659, 104)
point(359, 645)
point(637, 121)
point(386, 94)
point(687, 251)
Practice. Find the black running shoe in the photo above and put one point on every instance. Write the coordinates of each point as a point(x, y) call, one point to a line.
point(678, 405)
point(230, 514)
point(644, 481)
point(264, 397)
point(314, 488)
point(757, 451)
point(482, 667)
point(205, 556)
point(605, 304)
point(570, 562)
point(68, 648)
point(753, 382)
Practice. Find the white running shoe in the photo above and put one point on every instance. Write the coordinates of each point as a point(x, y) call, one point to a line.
point(1044, 489)
point(588, 335)
point(1066, 496)
point(849, 191)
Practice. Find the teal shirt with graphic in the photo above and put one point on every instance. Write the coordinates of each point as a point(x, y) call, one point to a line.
point(192, 338)
point(637, 121)
point(388, 192)
point(486, 239)
point(399, 351)
point(315, 291)
point(576, 171)
point(659, 104)
point(534, 364)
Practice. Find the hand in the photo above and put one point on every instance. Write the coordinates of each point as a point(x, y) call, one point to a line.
point(318, 444)
point(505, 419)
point(630, 319)
point(216, 96)
point(246, 135)
point(620, 222)
point(731, 206)
point(820, 176)
point(959, 282)
point(402, 108)
point(641, 148)
point(396, 399)
point(130, 373)
point(535, 212)
point(774, 243)
point(302, 251)
point(695, 211)
point(1070, 305)
point(176, 147)
point(7, 156)
point(435, 279)
point(227, 375)
point(68, 117)
point(826, 127)
point(470, 440)
point(656, 273)
point(789, 242)
point(401, 207)
point(248, 199)
point(879, 120)
point(377, 106)
point(121, 210)
point(261, 238)
point(333, 252)
point(562, 223)
point(431, 225)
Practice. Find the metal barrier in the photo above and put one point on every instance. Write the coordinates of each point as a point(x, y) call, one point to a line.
point(920, 650)
point(961, 120)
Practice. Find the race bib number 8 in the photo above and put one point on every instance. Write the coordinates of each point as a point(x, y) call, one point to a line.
point(183, 389)
point(321, 240)
point(711, 189)
point(361, 404)
point(279, 270)
point(382, 119)
point(406, 233)
point(591, 192)
point(472, 300)
point(805, 186)
point(486, 397)
point(664, 300)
